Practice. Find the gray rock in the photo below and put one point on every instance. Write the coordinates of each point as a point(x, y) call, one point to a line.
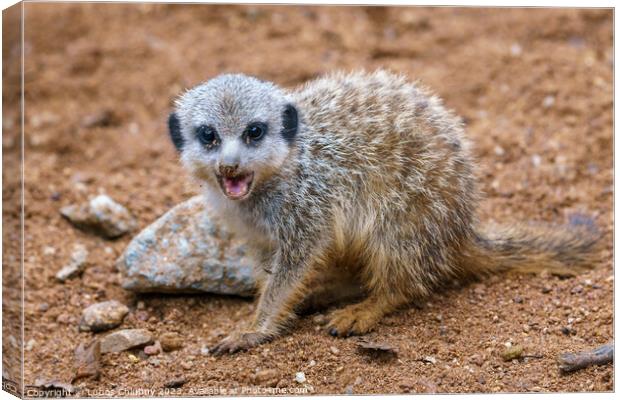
point(103, 316)
point(125, 339)
point(185, 251)
point(101, 215)
point(76, 264)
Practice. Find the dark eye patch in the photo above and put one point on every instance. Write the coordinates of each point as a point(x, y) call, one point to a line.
point(174, 129)
point(290, 122)
point(207, 136)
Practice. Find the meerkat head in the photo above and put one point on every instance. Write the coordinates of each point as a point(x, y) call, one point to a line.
point(234, 132)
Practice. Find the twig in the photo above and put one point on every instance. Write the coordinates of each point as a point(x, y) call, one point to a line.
point(574, 361)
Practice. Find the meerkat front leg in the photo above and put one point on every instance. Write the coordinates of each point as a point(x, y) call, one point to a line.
point(283, 290)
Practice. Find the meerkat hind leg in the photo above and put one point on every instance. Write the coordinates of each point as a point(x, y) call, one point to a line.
point(361, 318)
point(334, 287)
point(384, 286)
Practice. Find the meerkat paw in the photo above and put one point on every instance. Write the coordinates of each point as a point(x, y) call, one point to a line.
point(356, 319)
point(238, 342)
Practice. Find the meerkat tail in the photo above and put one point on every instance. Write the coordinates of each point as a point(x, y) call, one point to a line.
point(561, 250)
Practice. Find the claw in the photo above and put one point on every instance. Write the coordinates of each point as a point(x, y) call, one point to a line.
point(237, 342)
point(333, 331)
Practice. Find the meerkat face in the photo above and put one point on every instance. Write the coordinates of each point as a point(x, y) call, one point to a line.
point(234, 132)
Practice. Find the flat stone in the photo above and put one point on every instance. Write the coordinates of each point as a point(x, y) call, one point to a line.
point(186, 251)
point(125, 339)
point(101, 215)
point(103, 316)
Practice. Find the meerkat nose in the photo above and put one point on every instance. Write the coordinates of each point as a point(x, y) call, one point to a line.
point(228, 169)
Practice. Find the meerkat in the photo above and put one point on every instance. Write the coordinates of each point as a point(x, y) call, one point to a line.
point(352, 183)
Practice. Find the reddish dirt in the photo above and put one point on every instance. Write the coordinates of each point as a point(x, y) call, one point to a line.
point(533, 85)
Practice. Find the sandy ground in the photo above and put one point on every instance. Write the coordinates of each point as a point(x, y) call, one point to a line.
point(534, 87)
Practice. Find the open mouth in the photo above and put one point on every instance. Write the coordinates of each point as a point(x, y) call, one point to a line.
point(238, 186)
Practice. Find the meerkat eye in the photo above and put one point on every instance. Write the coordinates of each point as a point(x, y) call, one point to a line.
point(255, 131)
point(206, 135)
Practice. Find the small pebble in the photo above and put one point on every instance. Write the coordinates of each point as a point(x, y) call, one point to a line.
point(480, 289)
point(407, 384)
point(430, 359)
point(133, 358)
point(100, 118)
point(577, 289)
point(300, 377)
point(204, 350)
point(266, 375)
point(49, 250)
point(477, 360)
point(187, 365)
point(63, 318)
point(312, 363)
point(512, 353)
point(546, 289)
point(30, 345)
point(76, 264)
point(171, 341)
point(518, 299)
point(175, 382)
point(334, 350)
point(102, 316)
point(102, 215)
point(153, 349)
point(548, 101)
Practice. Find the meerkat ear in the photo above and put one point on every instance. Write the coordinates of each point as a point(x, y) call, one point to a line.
point(290, 122)
point(174, 128)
